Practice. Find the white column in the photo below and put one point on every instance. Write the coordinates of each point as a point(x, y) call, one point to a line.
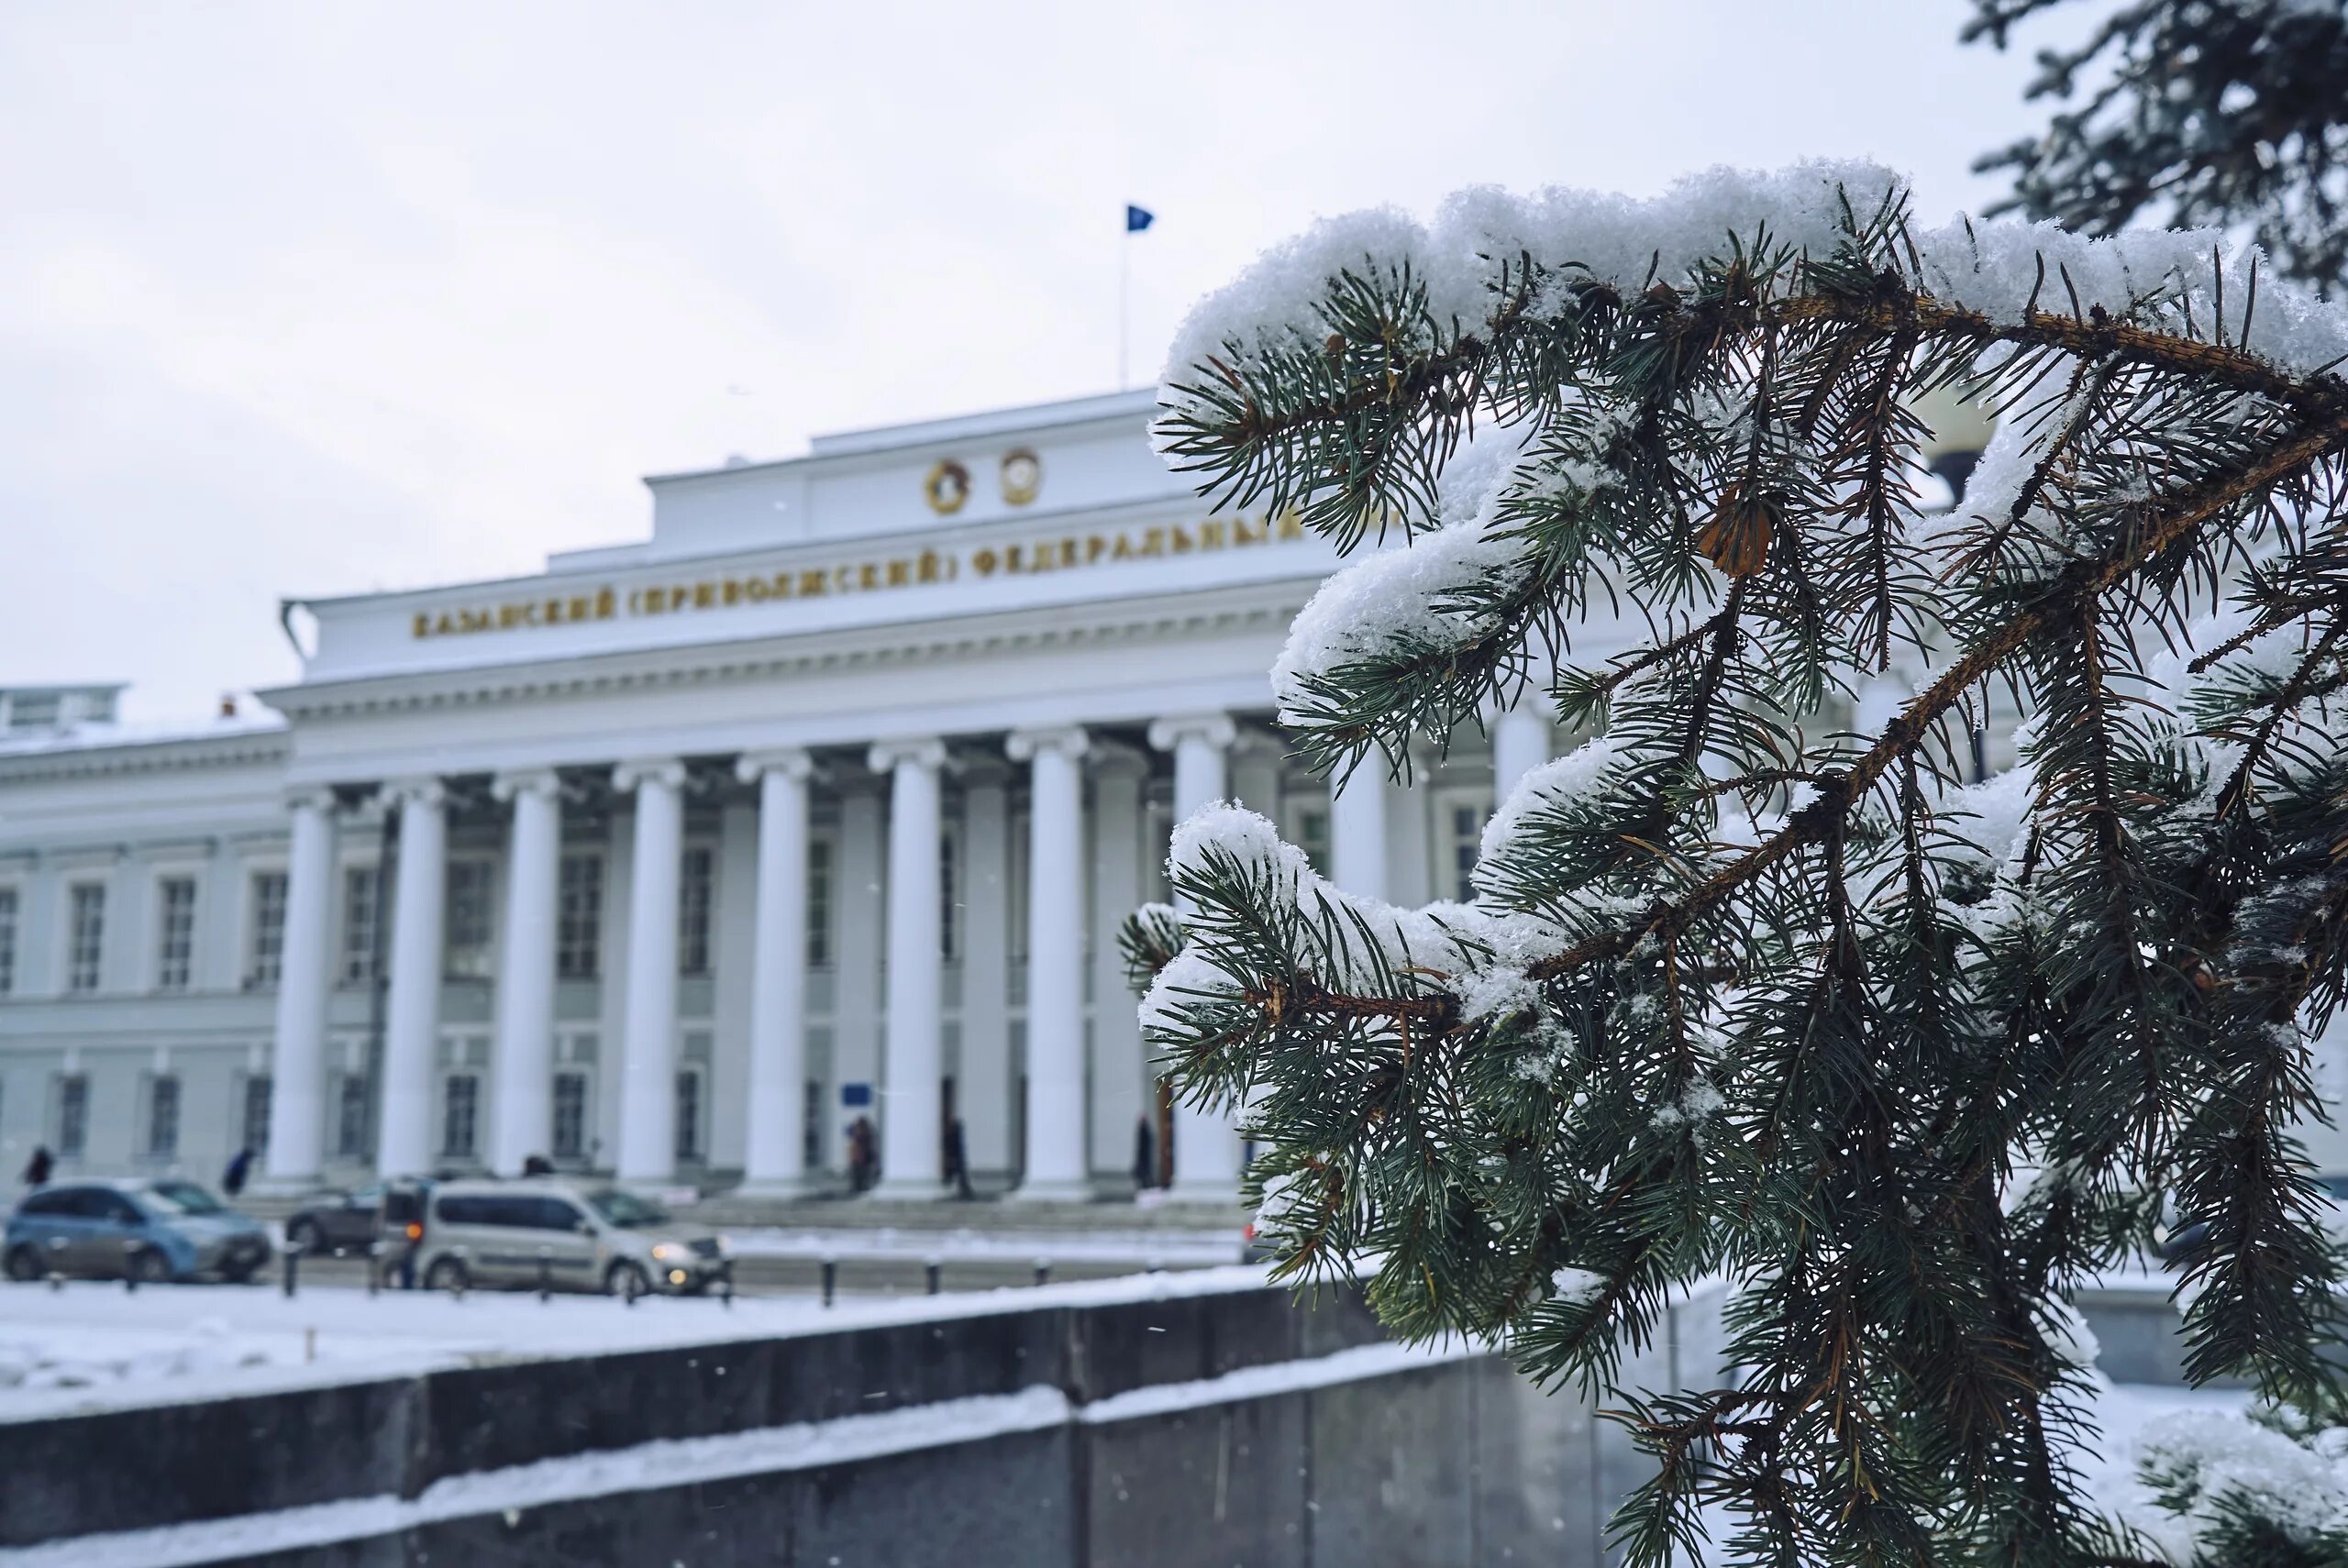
point(1123, 1092)
point(773, 1161)
point(911, 1157)
point(856, 972)
point(297, 1082)
point(1206, 1144)
point(647, 1084)
point(983, 1094)
point(1055, 1124)
point(522, 1096)
point(1519, 745)
point(1357, 830)
point(412, 1015)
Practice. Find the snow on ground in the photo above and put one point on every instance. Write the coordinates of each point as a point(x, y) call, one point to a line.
point(1139, 1248)
point(93, 1345)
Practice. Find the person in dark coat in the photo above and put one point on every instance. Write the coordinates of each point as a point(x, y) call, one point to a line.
point(863, 1160)
point(1144, 1153)
point(538, 1164)
point(37, 1169)
point(958, 1160)
point(232, 1180)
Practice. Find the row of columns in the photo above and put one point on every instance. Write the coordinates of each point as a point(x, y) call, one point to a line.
point(1057, 1160)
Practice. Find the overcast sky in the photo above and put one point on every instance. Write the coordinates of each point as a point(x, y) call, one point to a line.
point(303, 298)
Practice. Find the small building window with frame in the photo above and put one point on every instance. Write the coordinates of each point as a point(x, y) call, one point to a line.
point(695, 886)
point(162, 1116)
point(819, 902)
point(578, 930)
point(255, 1135)
point(85, 936)
point(7, 940)
point(362, 922)
point(174, 933)
point(473, 924)
point(267, 958)
point(352, 1105)
point(569, 1116)
point(689, 1114)
point(459, 1114)
point(73, 1115)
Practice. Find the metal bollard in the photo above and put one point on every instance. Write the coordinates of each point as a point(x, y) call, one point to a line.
point(545, 1273)
point(631, 1286)
point(374, 1267)
point(931, 1268)
point(131, 1268)
point(831, 1278)
point(726, 1284)
point(292, 1269)
point(458, 1279)
point(1043, 1271)
point(57, 1263)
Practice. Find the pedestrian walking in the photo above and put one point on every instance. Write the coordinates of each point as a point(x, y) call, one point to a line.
point(37, 1169)
point(538, 1164)
point(1145, 1154)
point(863, 1156)
point(240, 1165)
point(958, 1160)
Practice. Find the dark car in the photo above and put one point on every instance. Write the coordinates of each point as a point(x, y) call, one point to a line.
point(166, 1229)
point(337, 1221)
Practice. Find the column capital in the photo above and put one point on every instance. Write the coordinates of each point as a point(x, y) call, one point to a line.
point(1215, 729)
point(926, 752)
point(310, 797)
point(1254, 740)
point(1116, 759)
point(419, 792)
point(1023, 746)
point(516, 781)
point(792, 762)
point(666, 771)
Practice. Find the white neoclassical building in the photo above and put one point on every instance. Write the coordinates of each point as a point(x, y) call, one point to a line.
point(825, 802)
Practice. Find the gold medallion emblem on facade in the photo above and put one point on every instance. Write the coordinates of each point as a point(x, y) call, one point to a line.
point(1023, 476)
point(946, 488)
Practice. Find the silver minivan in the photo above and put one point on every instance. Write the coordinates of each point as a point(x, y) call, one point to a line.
point(577, 1238)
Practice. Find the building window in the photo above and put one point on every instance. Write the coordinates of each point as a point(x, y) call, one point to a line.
point(86, 934)
point(693, 888)
point(256, 1134)
point(73, 1115)
point(268, 960)
point(459, 1114)
point(1312, 836)
point(175, 933)
point(1466, 839)
point(569, 1116)
point(950, 925)
point(35, 710)
point(689, 1115)
point(350, 1118)
point(362, 925)
point(7, 940)
point(578, 936)
point(819, 902)
point(162, 1116)
point(470, 922)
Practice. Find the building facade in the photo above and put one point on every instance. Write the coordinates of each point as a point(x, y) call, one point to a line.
point(825, 802)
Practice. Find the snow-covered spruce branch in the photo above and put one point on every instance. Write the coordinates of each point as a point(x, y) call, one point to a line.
point(1743, 988)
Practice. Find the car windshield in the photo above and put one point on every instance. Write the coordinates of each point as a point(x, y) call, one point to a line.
point(625, 1209)
point(182, 1198)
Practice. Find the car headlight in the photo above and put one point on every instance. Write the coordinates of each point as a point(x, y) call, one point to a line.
point(667, 1251)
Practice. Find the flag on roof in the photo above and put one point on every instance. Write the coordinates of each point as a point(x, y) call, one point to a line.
point(1139, 218)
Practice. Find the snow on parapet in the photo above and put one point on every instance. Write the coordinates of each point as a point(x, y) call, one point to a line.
point(1992, 267)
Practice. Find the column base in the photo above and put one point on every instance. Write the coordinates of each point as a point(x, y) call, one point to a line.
point(1222, 1194)
point(1074, 1190)
point(283, 1187)
point(778, 1189)
point(922, 1189)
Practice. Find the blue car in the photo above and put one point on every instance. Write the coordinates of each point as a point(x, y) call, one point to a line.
point(150, 1230)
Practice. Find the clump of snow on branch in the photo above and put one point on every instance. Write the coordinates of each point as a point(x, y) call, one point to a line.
point(1576, 1285)
point(1993, 268)
point(1549, 790)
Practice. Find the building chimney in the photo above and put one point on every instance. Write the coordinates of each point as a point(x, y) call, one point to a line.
point(227, 704)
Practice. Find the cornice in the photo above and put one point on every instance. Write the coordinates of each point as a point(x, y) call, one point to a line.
point(911, 645)
point(178, 753)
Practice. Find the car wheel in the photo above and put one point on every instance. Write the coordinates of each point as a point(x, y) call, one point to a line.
point(24, 1265)
point(625, 1278)
point(447, 1273)
point(306, 1234)
point(148, 1266)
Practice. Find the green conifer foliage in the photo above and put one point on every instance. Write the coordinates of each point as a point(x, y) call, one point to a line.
point(1905, 1055)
